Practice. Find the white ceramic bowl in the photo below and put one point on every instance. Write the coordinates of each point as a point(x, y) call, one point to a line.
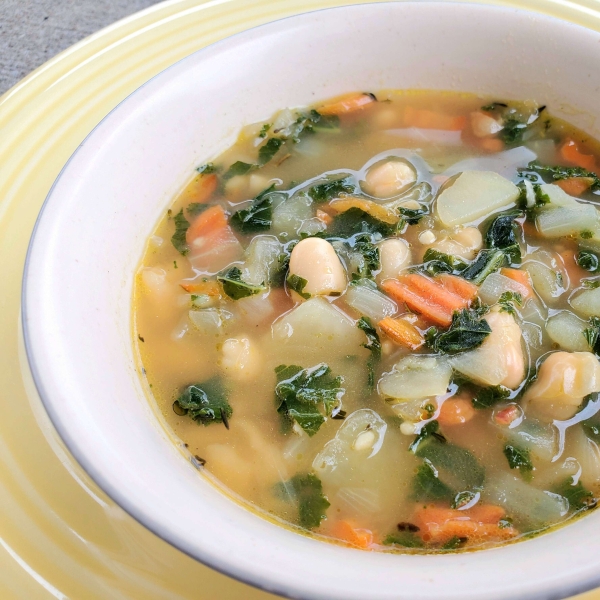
point(94, 224)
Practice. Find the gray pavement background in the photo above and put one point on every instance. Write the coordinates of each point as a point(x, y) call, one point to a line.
point(33, 31)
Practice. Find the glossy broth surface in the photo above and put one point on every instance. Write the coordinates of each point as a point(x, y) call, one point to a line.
point(345, 318)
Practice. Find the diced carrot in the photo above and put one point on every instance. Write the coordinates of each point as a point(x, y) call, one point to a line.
point(507, 415)
point(571, 153)
point(402, 332)
point(429, 119)
point(425, 296)
point(343, 530)
point(521, 277)
point(206, 223)
point(208, 288)
point(202, 188)
point(347, 104)
point(456, 411)
point(478, 524)
point(379, 212)
point(491, 145)
point(574, 271)
point(457, 285)
point(575, 186)
point(324, 217)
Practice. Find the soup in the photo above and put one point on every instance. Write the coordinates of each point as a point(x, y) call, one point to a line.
point(377, 320)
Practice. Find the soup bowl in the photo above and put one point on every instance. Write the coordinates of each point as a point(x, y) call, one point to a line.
point(91, 233)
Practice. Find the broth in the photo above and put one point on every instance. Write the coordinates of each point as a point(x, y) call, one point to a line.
point(346, 317)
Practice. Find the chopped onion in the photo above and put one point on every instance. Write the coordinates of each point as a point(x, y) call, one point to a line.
point(587, 303)
point(567, 330)
point(416, 377)
point(370, 302)
point(262, 260)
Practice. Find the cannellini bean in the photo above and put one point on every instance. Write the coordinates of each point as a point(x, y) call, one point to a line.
point(563, 380)
point(241, 359)
point(466, 242)
point(394, 255)
point(389, 178)
point(484, 125)
point(364, 441)
point(315, 260)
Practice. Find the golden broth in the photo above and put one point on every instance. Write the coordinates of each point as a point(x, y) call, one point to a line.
point(189, 331)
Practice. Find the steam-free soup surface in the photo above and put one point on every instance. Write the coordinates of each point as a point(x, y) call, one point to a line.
point(377, 319)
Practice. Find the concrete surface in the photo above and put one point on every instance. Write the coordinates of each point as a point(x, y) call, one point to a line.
point(33, 31)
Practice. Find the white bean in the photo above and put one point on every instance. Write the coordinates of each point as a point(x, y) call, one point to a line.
point(387, 179)
point(241, 359)
point(394, 255)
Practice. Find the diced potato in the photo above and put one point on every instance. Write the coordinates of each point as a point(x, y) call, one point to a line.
point(262, 260)
point(587, 303)
point(554, 222)
point(548, 276)
point(416, 377)
point(499, 360)
point(290, 215)
point(496, 284)
point(563, 380)
point(370, 302)
point(567, 330)
point(474, 194)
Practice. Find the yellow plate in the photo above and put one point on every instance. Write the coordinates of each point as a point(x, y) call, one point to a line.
point(61, 537)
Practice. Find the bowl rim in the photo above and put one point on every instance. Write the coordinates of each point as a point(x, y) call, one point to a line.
point(229, 569)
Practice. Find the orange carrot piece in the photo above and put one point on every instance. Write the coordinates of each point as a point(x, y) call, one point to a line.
point(429, 119)
point(207, 223)
point(208, 288)
point(574, 271)
point(491, 145)
point(521, 277)
point(402, 332)
point(202, 188)
point(347, 104)
point(457, 285)
point(456, 411)
point(362, 538)
point(571, 153)
point(575, 186)
point(434, 291)
point(324, 217)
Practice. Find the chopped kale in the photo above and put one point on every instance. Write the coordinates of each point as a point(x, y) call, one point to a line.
point(501, 234)
point(300, 393)
point(463, 498)
point(263, 130)
point(374, 345)
point(579, 498)
point(354, 221)
point(208, 169)
point(235, 287)
point(513, 130)
point(430, 429)
point(205, 402)
point(296, 283)
point(406, 539)
point(486, 262)
point(323, 192)
point(490, 396)
point(178, 238)
point(413, 215)
point(239, 168)
point(363, 244)
point(257, 217)
point(508, 300)
point(466, 332)
point(454, 543)
point(267, 151)
point(327, 124)
point(591, 284)
point(435, 262)
point(592, 334)
point(518, 458)
point(306, 489)
point(556, 173)
point(196, 208)
point(304, 123)
point(588, 260)
point(427, 486)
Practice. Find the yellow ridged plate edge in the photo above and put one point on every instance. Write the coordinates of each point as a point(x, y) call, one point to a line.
point(61, 537)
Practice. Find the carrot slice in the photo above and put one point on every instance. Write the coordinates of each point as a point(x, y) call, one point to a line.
point(362, 538)
point(457, 285)
point(429, 119)
point(208, 222)
point(575, 272)
point(379, 212)
point(324, 217)
point(491, 145)
point(521, 277)
point(575, 186)
point(202, 188)
point(402, 332)
point(347, 104)
point(208, 288)
point(571, 153)
point(456, 411)
point(435, 291)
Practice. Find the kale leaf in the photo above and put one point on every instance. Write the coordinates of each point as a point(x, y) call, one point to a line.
point(435, 262)
point(300, 392)
point(297, 283)
point(234, 287)
point(208, 169)
point(306, 489)
point(205, 402)
point(486, 262)
point(579, 497)
point(427, 486)
point(196, 208)
point(508, 300)
point(178, 238)
point(239, 168)
point(518, 458)
point(592, 334)
point(556, 173)
point(268, 150)
point(412, 216)
point(323, 192)
point(374, 345)
point(500, 234)
point(363, 244)
point(355, 220)
point(588, 260)
point(406, 539)
point(258, 216)
point(489, 396)
point(466, 332)
point(454, 543)
point(513, 130)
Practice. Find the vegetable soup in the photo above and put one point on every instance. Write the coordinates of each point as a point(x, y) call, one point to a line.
point(378, 320)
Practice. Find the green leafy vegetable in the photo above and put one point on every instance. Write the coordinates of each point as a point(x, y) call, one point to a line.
point(205, 403)
point(301, 392)
point(513, 130)
point(370, 253)
point(374, 345)
point(263, 130)
point(306, 489)
point(508, 300)
point(323, 192)
point(268, 150)
point(591, 284)
point(518, 458)
point(454, 543)
point(463, 498)
point(258, 216)
point(588, 260)
point(208, 169)
point(501, 234)
point(592, 334)
point(298, 284)
point(413, 215)
point(234, 287)
point(466, 332)
point(556, 173)
point(354, 221)
point(579, 497)
point(430, 429)
point(239, 168)
point(196, 208)
point(178, 238)
point(435, 262)
point(406, 539)
point(486, 262)
point(327, 124)
point(489, 396)
point(427, 486)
